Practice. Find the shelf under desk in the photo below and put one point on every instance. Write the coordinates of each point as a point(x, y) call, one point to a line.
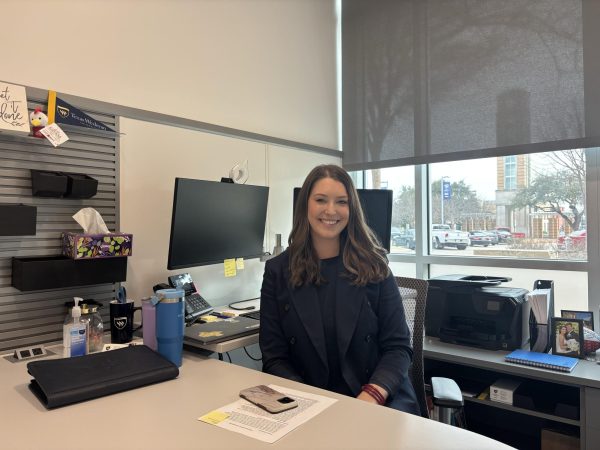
point(485, 364)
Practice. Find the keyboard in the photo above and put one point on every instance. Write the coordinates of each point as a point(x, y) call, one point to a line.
point(252, 315)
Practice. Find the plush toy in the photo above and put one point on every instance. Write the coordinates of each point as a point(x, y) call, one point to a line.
point(38, 120)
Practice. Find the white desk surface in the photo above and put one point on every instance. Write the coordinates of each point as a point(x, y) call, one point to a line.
point(164, 416)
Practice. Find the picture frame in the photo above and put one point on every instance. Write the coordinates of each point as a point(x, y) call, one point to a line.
point(586, 316)
point(567, 337)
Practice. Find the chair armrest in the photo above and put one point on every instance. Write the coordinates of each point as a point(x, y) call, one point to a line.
point(446, 393)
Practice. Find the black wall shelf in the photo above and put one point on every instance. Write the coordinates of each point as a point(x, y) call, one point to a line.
point(45, 183)
point(17, 220)
point(52, 272)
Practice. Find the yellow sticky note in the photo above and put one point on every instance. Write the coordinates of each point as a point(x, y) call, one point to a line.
point(209, 318)
point(239, 263)
point(229, 265)
point(214, 417)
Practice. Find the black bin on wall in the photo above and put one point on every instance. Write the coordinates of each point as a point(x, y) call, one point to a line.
point(80, 185)
point(17, 220)
point(52, 272)
point(45, 183)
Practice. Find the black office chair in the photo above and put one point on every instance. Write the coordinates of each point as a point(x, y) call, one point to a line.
point(446, 393)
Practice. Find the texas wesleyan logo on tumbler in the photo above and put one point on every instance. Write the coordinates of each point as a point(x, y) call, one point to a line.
point(121, 321)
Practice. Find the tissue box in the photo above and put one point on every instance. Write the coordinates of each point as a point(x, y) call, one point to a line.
point(85, 246)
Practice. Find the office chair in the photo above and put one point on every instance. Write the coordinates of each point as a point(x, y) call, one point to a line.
point(446, 393)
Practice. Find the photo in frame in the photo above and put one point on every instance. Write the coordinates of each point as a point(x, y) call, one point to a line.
point(567, 337)
point(586, 316)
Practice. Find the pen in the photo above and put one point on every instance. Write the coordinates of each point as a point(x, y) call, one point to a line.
point(122, 295)
point(221, 315)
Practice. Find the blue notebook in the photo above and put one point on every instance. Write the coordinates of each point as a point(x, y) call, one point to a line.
point(543, 360)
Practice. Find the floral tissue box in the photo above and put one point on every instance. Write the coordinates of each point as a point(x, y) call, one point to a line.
point(85, 246)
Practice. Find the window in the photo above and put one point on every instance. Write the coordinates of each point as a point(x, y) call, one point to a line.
point(510, 173)
point(526, 206)
point(537, 231)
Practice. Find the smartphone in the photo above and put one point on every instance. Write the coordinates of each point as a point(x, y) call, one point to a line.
point(268, 399)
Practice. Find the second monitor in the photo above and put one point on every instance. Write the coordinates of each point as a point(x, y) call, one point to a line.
point(377, 207)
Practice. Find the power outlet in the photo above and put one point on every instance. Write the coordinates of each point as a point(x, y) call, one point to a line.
point(30, 352)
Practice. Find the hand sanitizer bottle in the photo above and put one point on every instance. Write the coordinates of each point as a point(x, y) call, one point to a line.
point(77, 332)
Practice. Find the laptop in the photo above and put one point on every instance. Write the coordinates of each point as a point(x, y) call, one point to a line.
point(221, 331)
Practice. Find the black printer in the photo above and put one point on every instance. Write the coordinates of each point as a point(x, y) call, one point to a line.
point(474, 310)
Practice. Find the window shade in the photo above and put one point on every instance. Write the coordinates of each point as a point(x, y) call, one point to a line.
point(437, 80)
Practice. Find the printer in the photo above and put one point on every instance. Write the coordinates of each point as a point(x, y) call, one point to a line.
point(474, 310)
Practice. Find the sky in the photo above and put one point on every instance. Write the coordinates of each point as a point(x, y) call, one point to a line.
point(480, 174)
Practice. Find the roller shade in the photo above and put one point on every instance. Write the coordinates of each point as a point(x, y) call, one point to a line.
point(439, 80)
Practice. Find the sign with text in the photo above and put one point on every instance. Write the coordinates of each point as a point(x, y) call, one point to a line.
point(54, 134)
point(13, 108)
point(447, 190)
point(60, 111)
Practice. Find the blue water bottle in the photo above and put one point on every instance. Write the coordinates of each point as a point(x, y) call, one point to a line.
point(170, 323)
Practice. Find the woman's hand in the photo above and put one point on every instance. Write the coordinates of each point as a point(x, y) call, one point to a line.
point(365, 396)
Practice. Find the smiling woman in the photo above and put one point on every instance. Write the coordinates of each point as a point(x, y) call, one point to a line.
point(326, 302)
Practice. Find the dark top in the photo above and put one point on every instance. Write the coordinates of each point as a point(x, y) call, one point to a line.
point(372, 337)
point(327, 301)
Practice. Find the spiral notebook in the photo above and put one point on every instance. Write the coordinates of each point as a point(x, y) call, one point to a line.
point(542, 360)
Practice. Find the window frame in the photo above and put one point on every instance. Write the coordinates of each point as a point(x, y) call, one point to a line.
point(423, 259)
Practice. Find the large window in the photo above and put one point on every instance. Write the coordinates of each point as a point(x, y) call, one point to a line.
point(532, 228)
point(538, 214)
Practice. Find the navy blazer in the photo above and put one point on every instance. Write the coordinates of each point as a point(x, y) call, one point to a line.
point(372, 334)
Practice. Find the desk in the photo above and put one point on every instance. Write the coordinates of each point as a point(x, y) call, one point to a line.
point(471, 364)
point(164, 416)
point(226, 346)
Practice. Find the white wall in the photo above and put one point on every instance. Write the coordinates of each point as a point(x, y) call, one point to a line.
point(266, 66)
point(155, 155)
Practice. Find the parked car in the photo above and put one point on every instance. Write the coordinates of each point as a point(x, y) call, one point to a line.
point(406, 238)
point(395, 235)
point(502, 235)
point(444, 236)
point(576, 240)
point(479, 238)
point(493, 235)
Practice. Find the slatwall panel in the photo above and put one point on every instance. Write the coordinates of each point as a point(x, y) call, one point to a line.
point(36, 317)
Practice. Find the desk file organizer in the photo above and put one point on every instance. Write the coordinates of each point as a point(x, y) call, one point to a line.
point(60, 382)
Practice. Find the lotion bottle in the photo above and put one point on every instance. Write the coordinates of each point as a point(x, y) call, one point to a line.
point(76, 332)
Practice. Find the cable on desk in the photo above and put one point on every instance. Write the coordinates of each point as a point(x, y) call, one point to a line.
point(247, 308)
point(251, 357)
point(228, 356)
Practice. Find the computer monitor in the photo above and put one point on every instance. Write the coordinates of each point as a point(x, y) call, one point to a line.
point(213, 221)
point(377, 207)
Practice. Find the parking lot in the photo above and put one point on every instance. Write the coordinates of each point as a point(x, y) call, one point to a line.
point(545, 251)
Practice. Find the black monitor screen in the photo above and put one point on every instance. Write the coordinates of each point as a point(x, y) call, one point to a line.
point(214, 221)
point(377, 207)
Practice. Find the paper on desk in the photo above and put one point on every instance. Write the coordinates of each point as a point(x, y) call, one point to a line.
point(245, 418)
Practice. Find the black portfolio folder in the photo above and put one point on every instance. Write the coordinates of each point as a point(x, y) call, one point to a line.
point(60, 382)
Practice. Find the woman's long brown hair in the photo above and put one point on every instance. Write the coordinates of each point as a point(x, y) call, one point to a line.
point(362, 255)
